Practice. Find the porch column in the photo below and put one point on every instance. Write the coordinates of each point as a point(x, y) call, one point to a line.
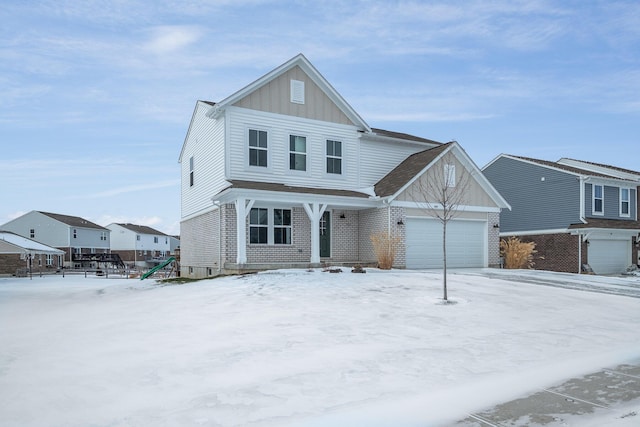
point(242, 210)
point(314, 212)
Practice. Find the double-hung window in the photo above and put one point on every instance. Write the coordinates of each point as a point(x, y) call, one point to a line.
point(297, 153)
point(281, 226)
point(624, 201)
point(191, 168)
point(598, 199)
point(258, 149)
point(270, 226)
point(258, 225)
point(334, 157)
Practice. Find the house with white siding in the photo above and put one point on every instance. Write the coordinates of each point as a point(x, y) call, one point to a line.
point(285, 173)
point(139, 245)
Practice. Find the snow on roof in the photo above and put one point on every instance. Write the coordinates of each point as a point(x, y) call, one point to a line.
point(27, 245)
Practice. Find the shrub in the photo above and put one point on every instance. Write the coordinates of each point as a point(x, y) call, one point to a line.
point(517, 254)
point(385, 246)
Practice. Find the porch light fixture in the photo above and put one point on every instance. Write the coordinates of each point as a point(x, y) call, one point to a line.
point(400, 222)
point(342, 215)
point(496, 225)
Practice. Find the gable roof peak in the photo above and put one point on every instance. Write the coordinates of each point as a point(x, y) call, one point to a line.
point(301, 61)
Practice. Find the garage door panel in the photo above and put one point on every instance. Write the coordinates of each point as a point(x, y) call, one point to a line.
point(607, 256)
point(465, 243)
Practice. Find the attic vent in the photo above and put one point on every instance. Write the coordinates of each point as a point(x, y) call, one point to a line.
point(297, 92)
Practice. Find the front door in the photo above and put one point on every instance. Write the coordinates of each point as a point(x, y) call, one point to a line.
point(325, 235)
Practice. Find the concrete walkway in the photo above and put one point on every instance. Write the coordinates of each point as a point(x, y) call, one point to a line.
point(568, 403)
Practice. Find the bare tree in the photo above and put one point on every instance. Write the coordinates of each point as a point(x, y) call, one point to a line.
point(441, 192)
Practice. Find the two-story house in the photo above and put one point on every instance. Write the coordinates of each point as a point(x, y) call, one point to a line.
point(285, 173)
point(139, 245)
point(576, 212)
point(80, 239)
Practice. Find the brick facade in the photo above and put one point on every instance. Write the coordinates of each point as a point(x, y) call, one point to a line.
point(557, 252)
point(351, 232)
point(493, 218)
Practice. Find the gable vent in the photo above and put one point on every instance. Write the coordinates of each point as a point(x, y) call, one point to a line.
point(297, 92)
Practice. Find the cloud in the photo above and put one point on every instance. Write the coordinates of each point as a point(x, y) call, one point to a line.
point(169, 39)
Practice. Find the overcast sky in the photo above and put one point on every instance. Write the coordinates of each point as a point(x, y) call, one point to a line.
point(96, 96)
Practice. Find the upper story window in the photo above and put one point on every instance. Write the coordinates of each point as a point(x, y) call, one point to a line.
point(258, 225)
point(32, 233)
point(450, 175)
point(297, 153)
point(625, 195)
point(598, 199)
point(155, 239)
point(103, 236)
point(75, 233)
point(191, 168)
point(137, 237)
point(258, 148)
point(334, 157)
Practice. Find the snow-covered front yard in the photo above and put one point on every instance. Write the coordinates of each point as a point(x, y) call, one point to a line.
point(294, 347)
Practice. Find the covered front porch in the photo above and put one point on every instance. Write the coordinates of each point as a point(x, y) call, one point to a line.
point(278, 226)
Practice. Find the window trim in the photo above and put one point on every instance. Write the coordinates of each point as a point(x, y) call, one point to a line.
point(628, 202)
point(328, 157)
point(594, 198)
point(191, 171)
point(249, 147)
point(258, 225)
point(271, 227)
point(291, 152)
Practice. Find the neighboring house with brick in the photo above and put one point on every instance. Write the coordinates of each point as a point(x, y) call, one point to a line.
point(285, 173)
point(139, 245)
point(19, 255)
point(576, 212)
point(82, 241)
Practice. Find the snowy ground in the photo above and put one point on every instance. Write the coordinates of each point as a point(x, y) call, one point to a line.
point(294, 347)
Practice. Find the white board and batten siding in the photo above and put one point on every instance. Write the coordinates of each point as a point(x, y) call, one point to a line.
point(205, 143)
point(466, 243)
point(278, 128)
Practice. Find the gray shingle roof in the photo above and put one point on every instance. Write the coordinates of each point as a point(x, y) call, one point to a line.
point(141, 229)
point(403, 173)
point(269, 186)
point(567, 168)
point(400, 135)
point(73, 221)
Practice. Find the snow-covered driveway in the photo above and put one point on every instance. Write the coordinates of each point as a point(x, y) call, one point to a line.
point(294, 348)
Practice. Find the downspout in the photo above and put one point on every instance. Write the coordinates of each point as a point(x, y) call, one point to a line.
point(217, 203)
point(583, 180)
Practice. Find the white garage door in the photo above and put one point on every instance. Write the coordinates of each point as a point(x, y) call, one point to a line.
point(609, 256)
point(465, 243)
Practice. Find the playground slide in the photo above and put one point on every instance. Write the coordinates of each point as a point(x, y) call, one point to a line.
point(157, 267)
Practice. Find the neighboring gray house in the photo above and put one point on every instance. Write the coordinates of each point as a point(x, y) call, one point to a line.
point(19, 255)
point(139, 245)
point(284, 173)
point(576, 212)
point(81, 240)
